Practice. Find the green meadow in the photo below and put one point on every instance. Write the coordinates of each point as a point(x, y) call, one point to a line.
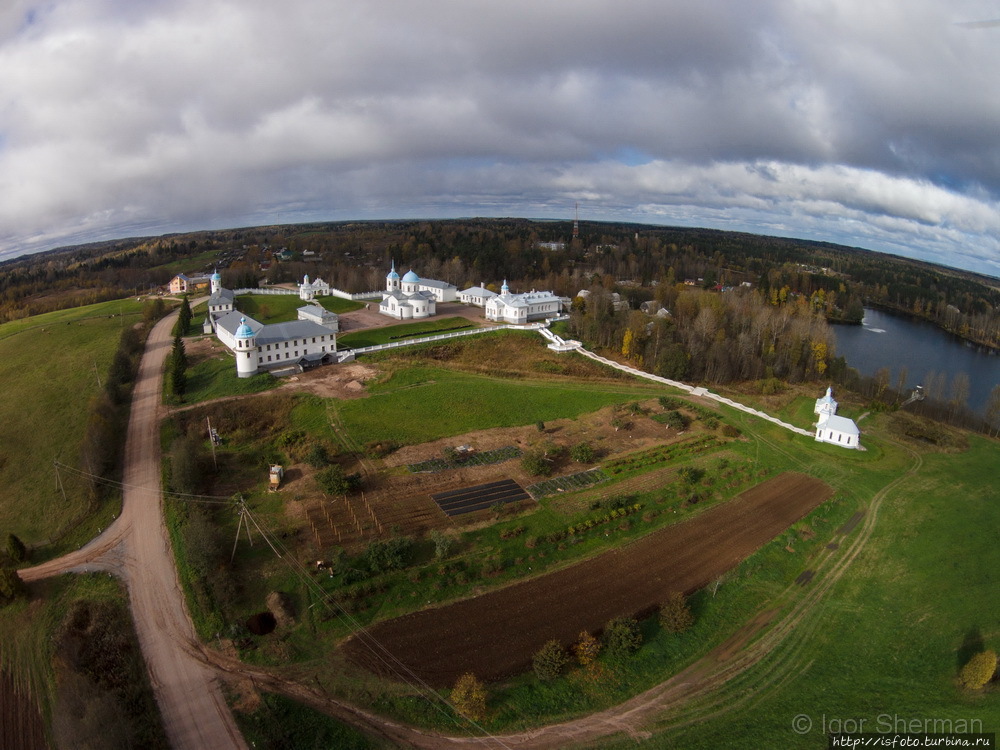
point(51, 366)
point(281, 308)
point(419, 404)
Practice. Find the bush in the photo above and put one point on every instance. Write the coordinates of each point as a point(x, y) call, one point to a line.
point(550, 660)
point(691, 474)
point(622, 636)
point(729, 431)
point(978, 670)
point(318, 456)
point(534, 463)
point(11, 586)
point(676, 420)
point(442, 544)
point(469, 697)
point(675, 615)
point(390, 554)
point(16, 549)
point(333, 481)
point(587, 648)
point(583, 453)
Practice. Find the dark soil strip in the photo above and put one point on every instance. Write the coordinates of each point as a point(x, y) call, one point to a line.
point(480, 497)
point(804, 577)
point(853, 521)
point(20, 722)
point(495, 635)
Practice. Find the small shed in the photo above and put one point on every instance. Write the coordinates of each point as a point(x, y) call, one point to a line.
point(276, 474)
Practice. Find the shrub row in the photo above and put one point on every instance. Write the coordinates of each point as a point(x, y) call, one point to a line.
point(661, 454)
point(568, 483)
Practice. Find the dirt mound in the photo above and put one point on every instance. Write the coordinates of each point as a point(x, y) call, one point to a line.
point(495, 635)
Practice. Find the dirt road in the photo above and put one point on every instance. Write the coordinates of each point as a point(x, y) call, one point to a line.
point(136, 547)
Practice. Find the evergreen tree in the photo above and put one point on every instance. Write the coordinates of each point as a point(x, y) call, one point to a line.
point(177, 367)
point(184, 317)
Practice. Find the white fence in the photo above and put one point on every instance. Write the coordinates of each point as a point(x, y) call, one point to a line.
point(333, 293)
point(443, 336)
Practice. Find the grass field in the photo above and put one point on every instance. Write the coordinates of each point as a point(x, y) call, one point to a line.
point(217, 378)
point(884, 648)
point(376, 336)
point(281, 308)
point(50, 366)
point(424, 403)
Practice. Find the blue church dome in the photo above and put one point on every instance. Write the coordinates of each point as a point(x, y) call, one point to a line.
point(410, 276)
point(216, 276)
point(392, 274)
point(244, 331)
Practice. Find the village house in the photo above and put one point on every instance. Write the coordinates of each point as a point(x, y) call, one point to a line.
point(182, 283)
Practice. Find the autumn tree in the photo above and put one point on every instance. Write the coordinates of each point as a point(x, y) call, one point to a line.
point(587, 648)
point(993, 409)
point(675, 614)
point(469, 697)
point(978, 670)
point(550, 660)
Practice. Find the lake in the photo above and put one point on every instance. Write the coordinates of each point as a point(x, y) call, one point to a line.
point(895, 341)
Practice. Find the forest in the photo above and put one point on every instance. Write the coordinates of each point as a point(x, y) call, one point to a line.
point(801, 280)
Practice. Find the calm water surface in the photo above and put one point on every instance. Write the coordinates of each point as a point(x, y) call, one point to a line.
point(894, 341)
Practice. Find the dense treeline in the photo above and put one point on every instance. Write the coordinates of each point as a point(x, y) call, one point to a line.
point(834, 280)
point(104, 435)
point(710, 337)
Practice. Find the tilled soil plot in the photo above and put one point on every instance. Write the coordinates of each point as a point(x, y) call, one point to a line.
point(495, 635)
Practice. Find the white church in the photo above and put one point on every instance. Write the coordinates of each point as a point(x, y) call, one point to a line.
point(833, 429)
point(412, 298)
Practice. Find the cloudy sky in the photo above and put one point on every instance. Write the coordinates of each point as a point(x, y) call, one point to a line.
point(867, 122)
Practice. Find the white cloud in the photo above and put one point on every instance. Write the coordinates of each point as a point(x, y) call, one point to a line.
point(867, 122)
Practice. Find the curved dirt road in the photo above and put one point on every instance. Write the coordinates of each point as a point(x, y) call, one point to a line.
point(137, 548)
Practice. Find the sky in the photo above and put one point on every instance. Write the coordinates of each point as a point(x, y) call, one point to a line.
point(872, 123)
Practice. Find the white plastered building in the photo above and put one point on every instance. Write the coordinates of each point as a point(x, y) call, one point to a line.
point(833, 429)
point(260, 347)
point(412, 298)
point(522, 308)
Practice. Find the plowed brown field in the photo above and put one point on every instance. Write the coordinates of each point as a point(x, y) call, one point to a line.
point(496, 634)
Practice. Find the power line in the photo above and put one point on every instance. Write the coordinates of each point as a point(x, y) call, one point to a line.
point(378, 650)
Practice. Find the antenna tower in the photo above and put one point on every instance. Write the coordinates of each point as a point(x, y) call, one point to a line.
point(576, 222)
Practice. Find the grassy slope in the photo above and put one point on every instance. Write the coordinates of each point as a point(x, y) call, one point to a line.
point(386, 334)
point(887, 642)
point(50, 365)
point(425, 403)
